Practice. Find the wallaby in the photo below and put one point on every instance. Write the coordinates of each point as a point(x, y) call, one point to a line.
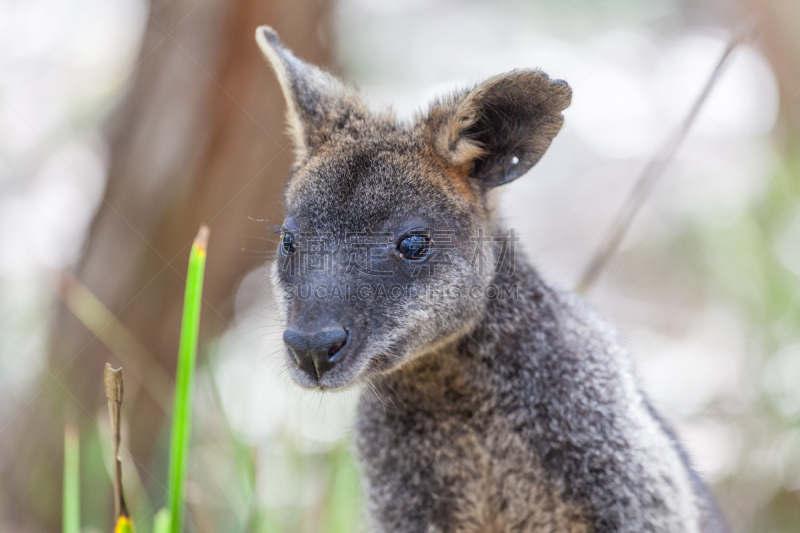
point(492, 402)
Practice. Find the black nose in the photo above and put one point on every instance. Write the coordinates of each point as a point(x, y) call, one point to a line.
point(316, 353)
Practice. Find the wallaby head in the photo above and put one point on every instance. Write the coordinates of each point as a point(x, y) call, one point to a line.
point(377, 252)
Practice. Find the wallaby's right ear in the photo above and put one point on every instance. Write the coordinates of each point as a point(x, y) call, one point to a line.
point(318, 103)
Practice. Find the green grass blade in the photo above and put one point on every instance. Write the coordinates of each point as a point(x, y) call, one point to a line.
point(71, 517)
point(161, 521)
point(187, 356)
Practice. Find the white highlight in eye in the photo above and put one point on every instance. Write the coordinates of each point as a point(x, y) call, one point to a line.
point(514, 160)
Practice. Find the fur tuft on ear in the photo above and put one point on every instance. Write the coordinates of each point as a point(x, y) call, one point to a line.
point(318, 103)
point(501, 128)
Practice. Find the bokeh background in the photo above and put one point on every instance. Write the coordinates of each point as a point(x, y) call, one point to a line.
point(124, 124)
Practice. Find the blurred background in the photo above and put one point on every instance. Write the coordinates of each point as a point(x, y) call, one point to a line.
point(124, 124)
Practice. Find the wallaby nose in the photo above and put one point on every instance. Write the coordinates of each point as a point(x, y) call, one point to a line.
point(316, 353)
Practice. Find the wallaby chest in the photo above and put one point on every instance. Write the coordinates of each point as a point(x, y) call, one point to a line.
point(440, 456)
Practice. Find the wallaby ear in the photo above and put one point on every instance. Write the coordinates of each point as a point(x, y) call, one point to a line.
point(318, 104)
point(501, 128)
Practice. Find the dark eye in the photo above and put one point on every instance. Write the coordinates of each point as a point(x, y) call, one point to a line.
point(288, 246)
point(415, 246)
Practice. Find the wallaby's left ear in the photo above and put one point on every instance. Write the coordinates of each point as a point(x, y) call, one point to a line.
point(318, 104)
point(501, 128)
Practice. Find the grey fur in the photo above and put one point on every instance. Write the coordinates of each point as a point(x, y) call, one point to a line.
point(518, 414)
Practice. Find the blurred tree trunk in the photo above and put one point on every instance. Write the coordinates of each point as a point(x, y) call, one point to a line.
point(777, 31)
point(198, 138)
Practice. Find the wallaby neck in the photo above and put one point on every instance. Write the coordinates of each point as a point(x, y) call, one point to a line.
point(465, 364)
